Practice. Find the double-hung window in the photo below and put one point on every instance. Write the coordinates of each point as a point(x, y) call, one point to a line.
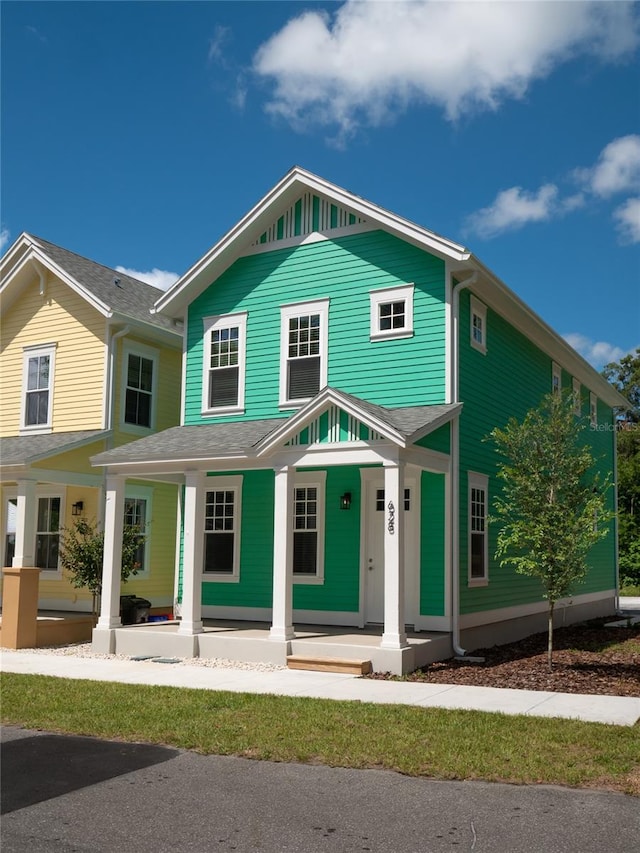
point(137, 514)
point(140, 368)
point(577, 397)
point(48, 533)
point(308, 527)
point(224, 364)
point(478, 534)
point(37, 401)
point(556, 378)
point(478, 329)
point(222, 514)
point(391, 312)
point(593, 409)
point(303, 351)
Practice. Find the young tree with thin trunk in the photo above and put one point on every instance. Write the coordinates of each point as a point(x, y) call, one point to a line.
point(552, 507)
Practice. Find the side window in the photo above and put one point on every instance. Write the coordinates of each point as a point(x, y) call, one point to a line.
point(593, 409)
point(478, 538)
point(48, 533)
point(478, 330)
point(303, 351)
point(308, 528)
point(391, 312)
point(556, 378)
point(37, 382)
point(224, 364)
point(577, 397)
point(140, 367)
point(222, 514)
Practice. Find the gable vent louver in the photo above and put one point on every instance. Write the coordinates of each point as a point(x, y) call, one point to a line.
point(308, 214)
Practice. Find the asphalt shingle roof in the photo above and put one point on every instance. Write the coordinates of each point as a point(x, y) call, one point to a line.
point(130, 298)
point(22, 449)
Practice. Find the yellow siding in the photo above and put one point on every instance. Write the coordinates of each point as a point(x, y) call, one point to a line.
point(76, 461)
point(64, 318)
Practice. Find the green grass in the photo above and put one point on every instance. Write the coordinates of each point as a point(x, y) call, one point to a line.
point(419, 742)
point(629, 588)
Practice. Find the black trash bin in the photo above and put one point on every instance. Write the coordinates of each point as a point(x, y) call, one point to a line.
point(134, 610)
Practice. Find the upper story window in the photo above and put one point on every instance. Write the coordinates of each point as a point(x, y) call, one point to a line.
point(140, 367)
point(224, 364)
point(593, 409)
point(478, 536)
point(391, 312)
point(556, 378)
point(222, 516)
point(478, 330)
point(37, 381)
point(303, 351)
point(577, 397)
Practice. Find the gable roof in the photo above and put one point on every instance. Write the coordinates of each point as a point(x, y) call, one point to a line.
point(262, 222)
point(112, 293)
point(255, 439)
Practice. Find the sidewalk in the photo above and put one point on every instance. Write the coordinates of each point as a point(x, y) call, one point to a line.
point(615, 710)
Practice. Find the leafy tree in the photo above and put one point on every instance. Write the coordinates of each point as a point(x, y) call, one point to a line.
point(552, 506)
point(625, 376)
point(81, 555)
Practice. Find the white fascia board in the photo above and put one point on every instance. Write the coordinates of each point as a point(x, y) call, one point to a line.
point(502, 299)
point(23, 243)
point(173, 470)
point(167, 337)
point(249, 228)
point(316, 407)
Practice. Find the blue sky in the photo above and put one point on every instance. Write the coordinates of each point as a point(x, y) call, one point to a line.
point(137, 133)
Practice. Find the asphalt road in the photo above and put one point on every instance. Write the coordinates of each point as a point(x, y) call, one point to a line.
point(69, 794)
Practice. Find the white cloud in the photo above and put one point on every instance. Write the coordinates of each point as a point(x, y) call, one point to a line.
point(512, 209)
point(627, 218)
point(617, 169)
point(597, 353)
point(369, 60)
point(4, 238)
point(220, 36)
point(156, 277)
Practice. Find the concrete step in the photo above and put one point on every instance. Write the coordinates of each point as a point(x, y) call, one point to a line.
point(323, 664)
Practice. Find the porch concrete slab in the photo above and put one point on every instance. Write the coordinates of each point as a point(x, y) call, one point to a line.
point(614, 710)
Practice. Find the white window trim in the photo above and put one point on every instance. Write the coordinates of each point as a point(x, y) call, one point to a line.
point(478, 481)
point(226, 484)
point(211, 324)
point(41, 492)
point(321, 307)
point(317, 479)
point(478, 309)
point(144, 493)
point(401, 293)
point(577, 397)
point(27, 353)
point(144, 351)
point(593, 409)
point(556, 373)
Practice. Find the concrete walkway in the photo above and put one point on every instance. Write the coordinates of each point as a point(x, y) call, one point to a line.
point(615, 710)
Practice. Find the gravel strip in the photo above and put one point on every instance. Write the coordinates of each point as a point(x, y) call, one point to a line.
point(83, 650)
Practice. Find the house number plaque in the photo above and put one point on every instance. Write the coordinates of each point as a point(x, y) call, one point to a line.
point(391, 523)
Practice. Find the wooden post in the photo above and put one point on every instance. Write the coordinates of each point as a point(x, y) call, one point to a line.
point(20, 607)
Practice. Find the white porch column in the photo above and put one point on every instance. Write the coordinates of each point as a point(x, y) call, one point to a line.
point(394, 636)
point(112, 557)
point(24, 554)
point(282, 621)
point(193, 554)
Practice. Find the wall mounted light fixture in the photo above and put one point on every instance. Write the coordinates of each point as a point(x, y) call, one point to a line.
point(77, 508)
point(345, 500)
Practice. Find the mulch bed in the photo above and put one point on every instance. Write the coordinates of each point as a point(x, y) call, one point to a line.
point(587, 658)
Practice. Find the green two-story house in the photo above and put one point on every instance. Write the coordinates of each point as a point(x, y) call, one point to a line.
point(341, 369)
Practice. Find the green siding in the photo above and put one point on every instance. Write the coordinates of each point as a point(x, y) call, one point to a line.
point(343, 270)
point(510, 379)
point(432, 545)
point(439, 440)
point(340, 589)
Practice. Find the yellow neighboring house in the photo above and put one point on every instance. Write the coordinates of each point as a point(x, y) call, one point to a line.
point(84, 367)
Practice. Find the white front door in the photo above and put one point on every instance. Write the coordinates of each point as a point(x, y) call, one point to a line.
point(373, 550)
